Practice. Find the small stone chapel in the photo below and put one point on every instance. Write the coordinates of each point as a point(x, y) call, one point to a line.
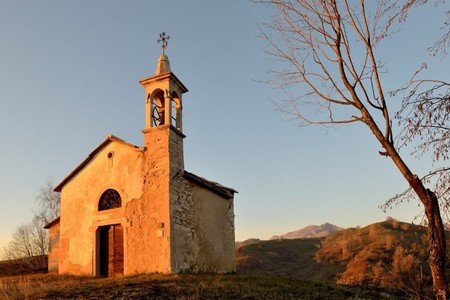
point(127, 209)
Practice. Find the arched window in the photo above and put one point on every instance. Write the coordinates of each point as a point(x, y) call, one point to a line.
point(109, 199)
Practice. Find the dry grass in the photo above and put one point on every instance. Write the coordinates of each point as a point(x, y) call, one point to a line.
point(155, 286)
point(35, 285)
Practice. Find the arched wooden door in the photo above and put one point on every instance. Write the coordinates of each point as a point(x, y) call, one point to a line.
point(111, 250)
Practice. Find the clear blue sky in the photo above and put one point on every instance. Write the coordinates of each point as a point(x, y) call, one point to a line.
point(69, 73)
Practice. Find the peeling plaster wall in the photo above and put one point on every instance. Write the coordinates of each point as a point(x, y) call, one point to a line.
point(148, 238)
point(203, 224)
point(149, 241)
point(80, 218)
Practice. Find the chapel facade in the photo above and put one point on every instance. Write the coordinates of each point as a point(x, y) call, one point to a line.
point(127, 209)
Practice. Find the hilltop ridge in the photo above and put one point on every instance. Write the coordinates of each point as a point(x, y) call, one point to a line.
point(387, 254)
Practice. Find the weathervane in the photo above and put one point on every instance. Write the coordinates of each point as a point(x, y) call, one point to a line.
point(163, 39)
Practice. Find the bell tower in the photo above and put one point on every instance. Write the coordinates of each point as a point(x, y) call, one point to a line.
point(164, 97)
point(164, 160)
point(163, 132)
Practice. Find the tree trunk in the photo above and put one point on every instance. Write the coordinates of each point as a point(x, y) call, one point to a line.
point(435, 231)
point(437, 244)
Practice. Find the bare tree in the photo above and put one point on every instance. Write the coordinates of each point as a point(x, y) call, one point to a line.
point(328, 47)
point(48, 202)
point(29, 246)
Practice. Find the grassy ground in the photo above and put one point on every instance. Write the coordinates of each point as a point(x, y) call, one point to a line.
point(231, 286)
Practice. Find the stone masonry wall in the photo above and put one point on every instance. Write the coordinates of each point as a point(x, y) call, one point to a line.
point(203, 224)
point(185, 245)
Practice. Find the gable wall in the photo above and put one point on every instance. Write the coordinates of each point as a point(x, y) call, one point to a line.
point(80, 218)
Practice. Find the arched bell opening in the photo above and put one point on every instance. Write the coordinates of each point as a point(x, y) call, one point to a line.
point(165, 108)
point(177, 108)
point(158, 108)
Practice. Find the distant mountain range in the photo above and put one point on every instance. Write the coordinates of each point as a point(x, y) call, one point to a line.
point(311, 231)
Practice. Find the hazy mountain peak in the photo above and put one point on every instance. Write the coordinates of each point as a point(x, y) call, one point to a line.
point(309, 232)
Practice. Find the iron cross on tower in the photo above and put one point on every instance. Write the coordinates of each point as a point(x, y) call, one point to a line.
point(164, 40)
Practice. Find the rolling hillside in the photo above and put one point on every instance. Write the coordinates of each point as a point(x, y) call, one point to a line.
point(386, 254)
